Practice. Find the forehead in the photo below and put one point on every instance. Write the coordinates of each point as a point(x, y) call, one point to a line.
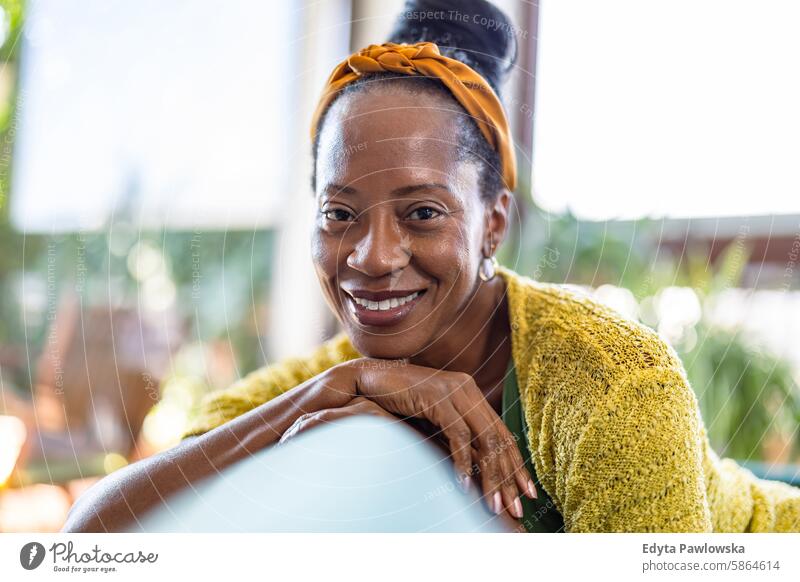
point(387, 134)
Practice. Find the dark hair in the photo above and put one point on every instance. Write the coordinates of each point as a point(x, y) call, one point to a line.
point(475, 32)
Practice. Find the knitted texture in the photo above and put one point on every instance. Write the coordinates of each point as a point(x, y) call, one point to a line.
point(614, 428)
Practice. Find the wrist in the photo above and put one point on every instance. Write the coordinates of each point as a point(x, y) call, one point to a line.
point(339, 384)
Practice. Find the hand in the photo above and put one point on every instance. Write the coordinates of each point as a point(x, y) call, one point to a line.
point(358, 405)
point(453, 402)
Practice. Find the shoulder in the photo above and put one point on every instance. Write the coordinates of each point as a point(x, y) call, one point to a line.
point(294, 370)
point(559, 322)
point(613, 420)
point(578, 360)
point(336, 350)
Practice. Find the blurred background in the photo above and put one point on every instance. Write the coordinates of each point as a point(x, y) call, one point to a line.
point(155, 206)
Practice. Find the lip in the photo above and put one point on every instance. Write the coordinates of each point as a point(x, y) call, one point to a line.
point(386, 317)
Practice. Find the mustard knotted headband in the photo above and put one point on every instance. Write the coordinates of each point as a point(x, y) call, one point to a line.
point(423, 58)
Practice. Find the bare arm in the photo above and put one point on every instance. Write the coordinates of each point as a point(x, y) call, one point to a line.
point(116, 502)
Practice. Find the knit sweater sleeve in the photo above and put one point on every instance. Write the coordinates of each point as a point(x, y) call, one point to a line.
point(264, 384)
point(637, 466)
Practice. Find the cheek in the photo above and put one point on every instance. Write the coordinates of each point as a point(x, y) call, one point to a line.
point(324, 256)
point(324, 251)
point(452, 257)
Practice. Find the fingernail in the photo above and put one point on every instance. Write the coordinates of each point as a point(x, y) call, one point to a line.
point(465, 483)
point(498, 503)
point(532, 490)
point(517, 508)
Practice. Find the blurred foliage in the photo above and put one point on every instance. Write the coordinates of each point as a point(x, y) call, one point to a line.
point(217, 282)
point(745, 395)
point(12, 12)
point(560, 248)
point(24, 250)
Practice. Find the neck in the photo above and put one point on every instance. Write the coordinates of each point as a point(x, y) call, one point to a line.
point(479, 342)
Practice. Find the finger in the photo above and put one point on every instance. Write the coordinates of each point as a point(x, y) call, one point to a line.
point(499, 457)
point(459, 441)
point(521, 474)
point(514, 465)
point(361, 405)
point(293, 429)
point(516, 480)
point(311, 420)
point(485, 417)
point(491, 471)
point(508, 488)
point(481, 420)
point(491, 495)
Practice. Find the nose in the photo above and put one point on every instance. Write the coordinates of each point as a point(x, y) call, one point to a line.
point(384, 249)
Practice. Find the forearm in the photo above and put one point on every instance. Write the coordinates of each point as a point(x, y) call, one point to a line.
point(115, 503)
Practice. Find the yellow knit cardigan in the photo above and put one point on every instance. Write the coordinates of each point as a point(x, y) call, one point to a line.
point(616, 435)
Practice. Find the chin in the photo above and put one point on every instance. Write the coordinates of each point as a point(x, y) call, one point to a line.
point(387, 347)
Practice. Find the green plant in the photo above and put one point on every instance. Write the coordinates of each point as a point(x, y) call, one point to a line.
point(745, 394)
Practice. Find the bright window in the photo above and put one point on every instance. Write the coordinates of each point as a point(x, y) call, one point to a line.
point(177, 112)
point(680, 108)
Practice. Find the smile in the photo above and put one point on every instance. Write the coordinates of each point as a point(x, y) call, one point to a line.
point(383, 308)
point(386, 304)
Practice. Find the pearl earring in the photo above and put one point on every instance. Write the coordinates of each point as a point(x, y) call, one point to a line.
point(488, 268)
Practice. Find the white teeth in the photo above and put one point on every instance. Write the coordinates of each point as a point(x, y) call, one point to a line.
point(386, 304)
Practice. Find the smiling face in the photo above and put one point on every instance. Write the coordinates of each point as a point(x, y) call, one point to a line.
point(401, 225)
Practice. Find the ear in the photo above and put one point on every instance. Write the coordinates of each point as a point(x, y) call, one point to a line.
point(497, 222)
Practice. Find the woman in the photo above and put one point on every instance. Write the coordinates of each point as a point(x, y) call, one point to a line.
point(564, 414)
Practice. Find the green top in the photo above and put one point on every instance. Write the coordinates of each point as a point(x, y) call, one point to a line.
point(539, 515)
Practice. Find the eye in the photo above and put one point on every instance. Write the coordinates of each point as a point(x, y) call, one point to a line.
point(424, 213)
point(338, 215)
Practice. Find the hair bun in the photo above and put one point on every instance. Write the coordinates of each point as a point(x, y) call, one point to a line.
point(475, 32)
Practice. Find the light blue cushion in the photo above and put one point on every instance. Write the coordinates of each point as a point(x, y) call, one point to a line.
point(361, 474)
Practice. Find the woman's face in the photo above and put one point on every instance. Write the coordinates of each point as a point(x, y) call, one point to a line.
point(401, 225)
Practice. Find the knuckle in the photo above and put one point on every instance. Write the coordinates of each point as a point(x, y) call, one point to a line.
point(508, 444)
point(459, 380)
point(447, 389)
point(461, 433)
point(491, 471)
point(465, 379)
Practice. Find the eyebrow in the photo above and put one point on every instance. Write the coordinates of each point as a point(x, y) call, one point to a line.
point(335, 189)
point(401, 191)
